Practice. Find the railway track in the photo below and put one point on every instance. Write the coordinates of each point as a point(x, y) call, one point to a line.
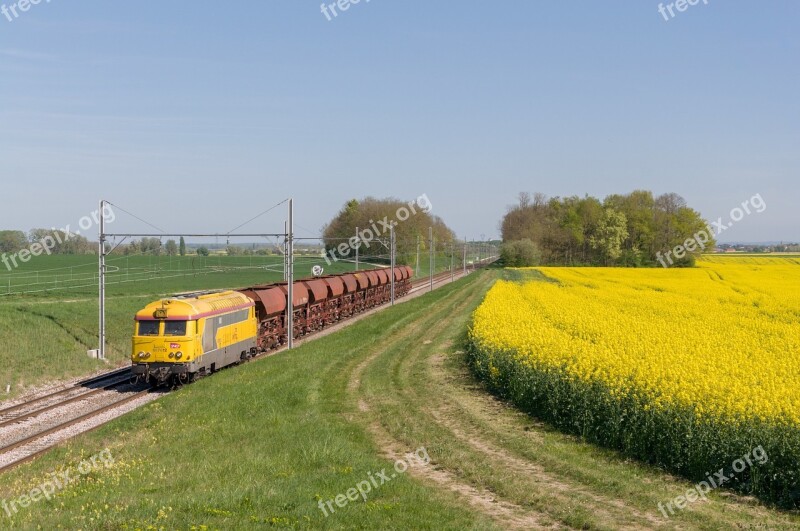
point(32, 427)
point(53, 400)
point(445, 276)
point(50, 395)
point(439, 278)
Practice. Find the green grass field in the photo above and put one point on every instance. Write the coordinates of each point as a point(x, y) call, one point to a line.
point(48, 306)
point(64, 277)
point(261, 445)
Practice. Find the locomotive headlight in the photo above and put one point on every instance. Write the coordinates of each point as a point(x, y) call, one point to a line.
point(179, 355)
point(171, 355)
point(144, 355)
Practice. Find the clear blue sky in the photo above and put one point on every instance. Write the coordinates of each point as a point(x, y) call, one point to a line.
point(198, 115)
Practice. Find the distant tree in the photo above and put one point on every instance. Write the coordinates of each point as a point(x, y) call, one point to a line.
point(150, 246)
point(182, 247)
point(203, 251)
point(12, 241)
point(233, 250)
point(171, 248)
point(371, 216)
point(131, 249)
point(612, 231)
point(61, 242)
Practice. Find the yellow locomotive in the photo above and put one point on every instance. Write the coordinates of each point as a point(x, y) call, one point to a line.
point(179, 339)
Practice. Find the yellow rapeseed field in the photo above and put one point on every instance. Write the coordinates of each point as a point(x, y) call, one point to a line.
point(723, 338)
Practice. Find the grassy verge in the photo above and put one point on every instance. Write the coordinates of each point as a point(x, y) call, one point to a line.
point(260, 446)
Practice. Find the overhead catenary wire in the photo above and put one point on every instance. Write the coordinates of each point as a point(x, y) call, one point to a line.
point(256, 217)
point(135, 216)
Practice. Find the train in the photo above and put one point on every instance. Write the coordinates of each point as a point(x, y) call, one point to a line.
point(179, 339)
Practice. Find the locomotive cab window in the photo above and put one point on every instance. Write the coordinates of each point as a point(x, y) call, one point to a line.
point(175, 328)
point(148, 328)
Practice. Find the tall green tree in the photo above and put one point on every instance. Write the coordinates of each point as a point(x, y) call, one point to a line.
point(612, 231)
point(182, 247)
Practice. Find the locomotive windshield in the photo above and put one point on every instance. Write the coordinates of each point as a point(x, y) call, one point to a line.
point(175, 328)
point(148, 328)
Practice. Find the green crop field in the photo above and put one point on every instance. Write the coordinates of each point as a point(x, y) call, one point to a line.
point(60, 277)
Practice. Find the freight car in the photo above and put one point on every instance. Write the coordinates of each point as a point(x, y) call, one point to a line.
point(179, 339)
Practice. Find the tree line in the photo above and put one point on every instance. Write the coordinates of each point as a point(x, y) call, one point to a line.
point(14, 241)
point(630, 230)
point(154, 246)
